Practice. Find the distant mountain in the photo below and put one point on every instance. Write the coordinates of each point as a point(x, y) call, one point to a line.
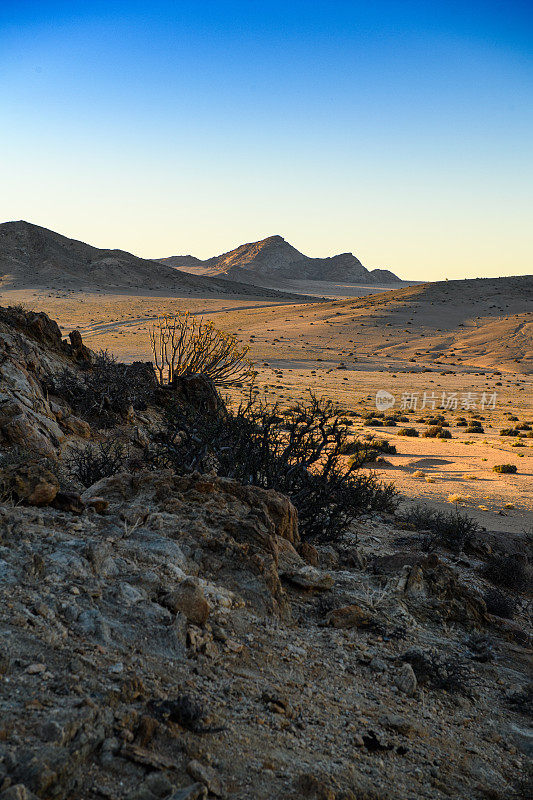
point(32, 256)
point(275, 258)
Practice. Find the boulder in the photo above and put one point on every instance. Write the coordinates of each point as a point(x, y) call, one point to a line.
point(32, 484)
point(189, 599)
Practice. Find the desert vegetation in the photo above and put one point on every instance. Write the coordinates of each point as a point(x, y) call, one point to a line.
point(183, 345)
point(298, 452)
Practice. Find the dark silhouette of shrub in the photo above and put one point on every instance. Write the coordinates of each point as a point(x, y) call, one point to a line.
point(436, 432)
point(91, 462)
point(513, 572)
point(438, 670)
point(505, 468)
point(408, 432)
point(452, 529)
point(106, 390)
point(500, 604)
point(301, 458)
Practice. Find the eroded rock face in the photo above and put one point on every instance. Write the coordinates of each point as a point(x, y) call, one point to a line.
point(237, 527)
point(32, 484)
point(31, 348)
point(435, 588)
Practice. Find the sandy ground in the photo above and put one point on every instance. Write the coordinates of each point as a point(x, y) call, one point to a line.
point(401, 342)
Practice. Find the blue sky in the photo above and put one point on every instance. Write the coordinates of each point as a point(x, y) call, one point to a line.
point(401, 131)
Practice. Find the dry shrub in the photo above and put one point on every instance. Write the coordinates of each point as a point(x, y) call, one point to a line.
point(500, 604)
point(452, 529)
point(90, 463)
point(301, 457)
point(439, 670)
point(513, 572)
point(106, 389)
point(408, 432)
point(183, 344)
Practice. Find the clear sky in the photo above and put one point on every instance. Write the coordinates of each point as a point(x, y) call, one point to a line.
point(399, 130)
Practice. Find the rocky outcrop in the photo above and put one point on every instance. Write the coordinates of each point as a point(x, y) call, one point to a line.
point(31, 348)
point(233, 526)
point(41, 374)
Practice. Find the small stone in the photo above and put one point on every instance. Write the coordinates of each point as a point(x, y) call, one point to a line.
point(68, 501)
point(99, 504)
point(400, 724)
point(196, 791)
point(313, 787)
point(18, 792)
point(276, 702)
point(50, 731)
point(378, 665)
point(309, 553)
point(158, 784)
point(405, 680)
point(349, 617)
point(206, 775)
point(35, 669)
point(189, 599)
point(311, 578)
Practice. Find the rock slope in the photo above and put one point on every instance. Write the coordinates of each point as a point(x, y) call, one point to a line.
point(171, 637)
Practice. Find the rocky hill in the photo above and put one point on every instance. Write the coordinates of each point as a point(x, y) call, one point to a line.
point(174, 635)
point(31, 256)
point(274, 257)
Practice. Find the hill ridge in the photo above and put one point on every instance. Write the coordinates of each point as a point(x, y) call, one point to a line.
point(32, 255)
point(275, 257)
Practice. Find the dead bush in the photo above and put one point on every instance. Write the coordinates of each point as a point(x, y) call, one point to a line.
point(438, 670)
point(301, 457)
point(512, 572)
point(183, 344)
point(500, 604)
point(453, 529)
point(106, 390)
point(91, 462)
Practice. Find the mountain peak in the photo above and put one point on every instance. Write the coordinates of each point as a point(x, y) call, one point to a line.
point(274, 257)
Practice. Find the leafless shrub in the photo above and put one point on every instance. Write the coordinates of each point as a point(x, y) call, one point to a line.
point(500, 603)
point(452, 529)
point(91, 462)
point(438, 670)
point(106, 389)
point(300, 457)
point(511, 572)
point(183, 344)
